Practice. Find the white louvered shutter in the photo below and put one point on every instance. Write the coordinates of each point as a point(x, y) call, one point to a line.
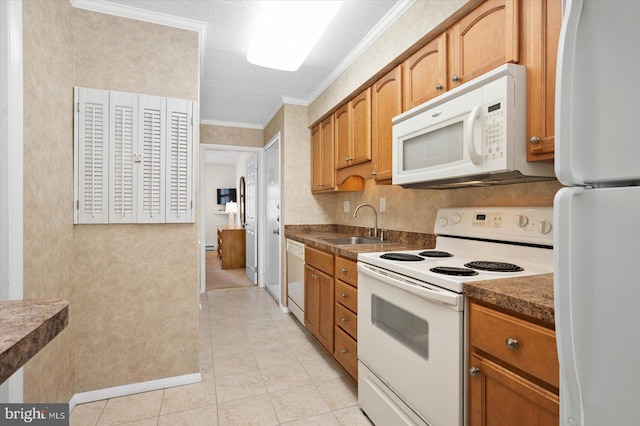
point(123, 110)
point(179, 179)
point(91, 159)
point(151, 170)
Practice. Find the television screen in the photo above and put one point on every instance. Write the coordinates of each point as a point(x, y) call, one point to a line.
point(226, 194)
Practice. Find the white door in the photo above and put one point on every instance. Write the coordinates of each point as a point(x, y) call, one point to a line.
point(251, 208)
point(272, 218)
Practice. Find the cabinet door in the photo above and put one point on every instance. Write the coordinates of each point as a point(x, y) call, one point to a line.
point(541, 31)
point(123, 157)
point(342, 123)
point(328, 180)
point(91, 159)
point(498, 396)
point(360, 107)
point(484, 39)
point(386, 104)
point(311, 299)
point(316, 159)
point(179, 202)
point(326, 308)
point(151, 166)
point(425, 73)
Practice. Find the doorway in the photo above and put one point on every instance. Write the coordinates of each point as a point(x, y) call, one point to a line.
point(222, 168)
point(272, 218)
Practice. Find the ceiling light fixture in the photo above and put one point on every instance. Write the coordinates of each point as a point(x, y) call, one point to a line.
point(288, 30)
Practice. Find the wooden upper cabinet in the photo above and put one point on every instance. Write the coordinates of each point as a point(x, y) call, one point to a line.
point(361, 129)
point(353, 131)
point(322, 167)
point(386, 104)
point(425, 73)
point(484, 39)
point(342, 121)
point(541, 22)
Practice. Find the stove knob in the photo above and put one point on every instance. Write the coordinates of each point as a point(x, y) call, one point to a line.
point(457, 218)
point(443, 221)
point(544, 227)
point(522, 220)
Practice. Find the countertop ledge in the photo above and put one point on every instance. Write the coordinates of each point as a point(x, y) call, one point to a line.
point(26, 327)
point(531, 295)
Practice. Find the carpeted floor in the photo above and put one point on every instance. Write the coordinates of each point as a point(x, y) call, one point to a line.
point(218, 278)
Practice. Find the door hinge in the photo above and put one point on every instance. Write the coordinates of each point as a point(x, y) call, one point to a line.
point(77, 204)
point(78, 106)
point(191, 204)
point(192, 120)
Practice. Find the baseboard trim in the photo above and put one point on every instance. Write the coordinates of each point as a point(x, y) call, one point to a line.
point(133, 388)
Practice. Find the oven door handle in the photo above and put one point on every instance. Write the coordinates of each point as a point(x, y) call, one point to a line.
point(418, 288)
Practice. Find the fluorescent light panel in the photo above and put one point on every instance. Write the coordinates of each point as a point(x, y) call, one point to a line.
point(288, 30)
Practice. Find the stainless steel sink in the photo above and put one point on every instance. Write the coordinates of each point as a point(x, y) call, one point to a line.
point(339, 241)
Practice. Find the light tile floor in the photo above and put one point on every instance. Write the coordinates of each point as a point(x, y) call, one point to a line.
point(259, 367)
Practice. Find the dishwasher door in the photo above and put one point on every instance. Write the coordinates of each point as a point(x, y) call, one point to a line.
point(295, 279)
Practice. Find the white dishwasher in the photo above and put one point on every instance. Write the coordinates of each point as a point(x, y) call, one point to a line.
point(295, 278)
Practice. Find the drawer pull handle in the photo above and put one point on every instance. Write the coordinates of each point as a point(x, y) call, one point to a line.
point(343, 295)
point(474, 371)
point(343, 319)
point(344, 270)
point(511, 343)
point(343, 350)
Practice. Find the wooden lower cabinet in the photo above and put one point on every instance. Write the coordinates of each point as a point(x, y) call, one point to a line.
point(318, 311)
point(513, 375)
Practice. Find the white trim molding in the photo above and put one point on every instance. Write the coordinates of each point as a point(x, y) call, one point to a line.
point(232, 124)
point(11, 170)
point(133, 388)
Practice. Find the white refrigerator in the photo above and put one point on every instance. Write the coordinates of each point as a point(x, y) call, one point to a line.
point(597, 217)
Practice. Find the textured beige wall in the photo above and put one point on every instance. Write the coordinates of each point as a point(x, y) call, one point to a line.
point(420, 18)
point(225, 135)
point(137, 285)
point(48, 186)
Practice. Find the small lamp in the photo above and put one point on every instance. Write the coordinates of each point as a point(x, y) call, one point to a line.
point(231, 208)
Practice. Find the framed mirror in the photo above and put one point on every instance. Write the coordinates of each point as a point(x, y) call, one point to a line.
point(243, 216)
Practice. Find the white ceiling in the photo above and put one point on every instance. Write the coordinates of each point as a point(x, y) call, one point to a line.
point(235, 92)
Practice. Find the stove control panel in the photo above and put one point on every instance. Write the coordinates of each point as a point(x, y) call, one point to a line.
point(532, 225)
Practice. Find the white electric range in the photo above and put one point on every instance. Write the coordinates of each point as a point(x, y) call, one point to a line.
point(411, 323)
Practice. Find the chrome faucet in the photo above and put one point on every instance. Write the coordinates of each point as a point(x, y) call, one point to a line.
point(375, 218)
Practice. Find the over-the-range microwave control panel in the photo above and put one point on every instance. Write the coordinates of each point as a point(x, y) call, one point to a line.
point(532, 225)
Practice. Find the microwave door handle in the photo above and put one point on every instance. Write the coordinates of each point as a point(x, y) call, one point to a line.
point(474, 155)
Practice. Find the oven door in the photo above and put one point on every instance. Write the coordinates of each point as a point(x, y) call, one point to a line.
point(410, 337)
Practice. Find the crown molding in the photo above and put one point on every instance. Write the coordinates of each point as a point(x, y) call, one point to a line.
point(294, 101)
point(372, 36)
point(232, 124)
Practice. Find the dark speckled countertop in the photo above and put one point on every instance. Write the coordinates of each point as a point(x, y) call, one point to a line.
point(26, 326)
point(531, 296)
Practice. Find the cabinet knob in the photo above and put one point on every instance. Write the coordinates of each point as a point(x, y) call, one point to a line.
point(474, 371)
point(343, 319)
point(343, 350)
point(439, 86)
point(534, 140)
point(343, 295)
point(511, 343)
point(374, 173)
point(314, 276)
point(455, 78)
point(344, 270)
point(348, 159)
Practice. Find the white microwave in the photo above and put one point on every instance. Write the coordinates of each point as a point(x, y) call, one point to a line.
point(472, 135)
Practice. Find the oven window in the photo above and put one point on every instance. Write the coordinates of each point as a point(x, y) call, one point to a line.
point(405, 327)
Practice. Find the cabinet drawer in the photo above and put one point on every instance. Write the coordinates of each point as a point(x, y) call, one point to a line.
point(535, 351)
point(347, 295)
point(346, 352)
point(319, 259)
point(346, 320)
point(346, 271)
